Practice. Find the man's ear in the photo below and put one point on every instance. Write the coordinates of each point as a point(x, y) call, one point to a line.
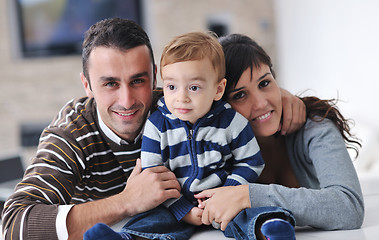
point(86, 84)
point(220, 89)
point(155, 77)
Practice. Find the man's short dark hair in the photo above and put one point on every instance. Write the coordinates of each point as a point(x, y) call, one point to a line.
point(122, 34)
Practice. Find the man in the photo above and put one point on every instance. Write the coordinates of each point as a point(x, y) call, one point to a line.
point(86, 169)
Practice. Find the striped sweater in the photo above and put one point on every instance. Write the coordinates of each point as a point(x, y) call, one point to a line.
point(75, 163)
point(219, 149)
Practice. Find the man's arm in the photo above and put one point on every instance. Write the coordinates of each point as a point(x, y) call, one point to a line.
point(49, 182)
point(294, 113)
point(144, 191)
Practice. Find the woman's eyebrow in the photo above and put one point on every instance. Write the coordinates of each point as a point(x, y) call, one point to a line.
point(236, 89)
point(259, 79)
point(263, 76)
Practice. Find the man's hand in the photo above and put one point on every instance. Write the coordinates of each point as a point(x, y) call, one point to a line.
point(147, 189)
point(294, 113)
point(144, 190)
point(213, 203)
point(194, 216)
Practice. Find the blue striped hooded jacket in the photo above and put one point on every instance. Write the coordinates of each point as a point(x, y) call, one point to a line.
point(218, 150)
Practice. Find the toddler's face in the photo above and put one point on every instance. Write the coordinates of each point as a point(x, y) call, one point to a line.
point(190, 88)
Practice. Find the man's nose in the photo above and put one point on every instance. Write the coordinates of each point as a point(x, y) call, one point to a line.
point(126, 97)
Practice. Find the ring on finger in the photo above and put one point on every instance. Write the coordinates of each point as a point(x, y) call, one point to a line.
point(216, 225)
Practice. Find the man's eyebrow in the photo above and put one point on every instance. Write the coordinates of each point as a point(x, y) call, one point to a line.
point(115, 79)
point(139, 75)
point(109, 79)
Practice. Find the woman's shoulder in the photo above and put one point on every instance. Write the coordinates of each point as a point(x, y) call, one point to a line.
point(319, 124)
point(316, 128)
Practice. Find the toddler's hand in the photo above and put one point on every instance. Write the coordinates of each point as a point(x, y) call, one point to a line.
point(194, 216)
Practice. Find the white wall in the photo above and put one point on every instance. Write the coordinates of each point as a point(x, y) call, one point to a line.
point(332, 48)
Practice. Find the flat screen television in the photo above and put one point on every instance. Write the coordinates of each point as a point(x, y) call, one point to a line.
point(56, 27)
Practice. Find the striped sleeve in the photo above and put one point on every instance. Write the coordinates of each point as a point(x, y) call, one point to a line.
point(151, 145)
point(247, 159)
point(31, 210)
point(154, 143)
point(75, 163)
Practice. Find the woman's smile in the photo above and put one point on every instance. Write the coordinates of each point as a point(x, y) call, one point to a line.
point(263, 117)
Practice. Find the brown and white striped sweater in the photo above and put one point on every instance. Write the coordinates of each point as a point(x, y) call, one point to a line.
point(75, 162)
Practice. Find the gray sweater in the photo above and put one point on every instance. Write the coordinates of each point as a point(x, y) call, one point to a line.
point(330, 195)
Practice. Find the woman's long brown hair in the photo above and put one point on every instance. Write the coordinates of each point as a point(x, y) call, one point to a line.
point(242, 52)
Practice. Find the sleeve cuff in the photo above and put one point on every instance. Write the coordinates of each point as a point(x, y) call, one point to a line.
point(60, 223)
point(41, 221)
point(231, 182)
point(180, 208)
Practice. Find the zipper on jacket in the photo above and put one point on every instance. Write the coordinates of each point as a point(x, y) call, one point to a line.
point(194, 169)
point(190, 134)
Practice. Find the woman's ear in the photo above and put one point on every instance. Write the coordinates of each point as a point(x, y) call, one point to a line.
point(220, 89)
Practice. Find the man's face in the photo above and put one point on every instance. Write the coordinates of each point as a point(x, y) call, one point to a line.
point(121, 83)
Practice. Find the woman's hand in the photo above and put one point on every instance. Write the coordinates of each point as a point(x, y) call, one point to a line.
point(194, 216)
point(294, 113)
point(223, 204)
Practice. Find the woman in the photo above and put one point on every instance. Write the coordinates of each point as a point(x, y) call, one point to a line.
point(308, 172)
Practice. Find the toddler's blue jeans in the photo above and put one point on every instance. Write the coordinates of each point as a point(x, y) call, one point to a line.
point(159, 223)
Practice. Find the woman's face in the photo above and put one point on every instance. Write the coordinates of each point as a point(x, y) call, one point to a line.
point(258, 99)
